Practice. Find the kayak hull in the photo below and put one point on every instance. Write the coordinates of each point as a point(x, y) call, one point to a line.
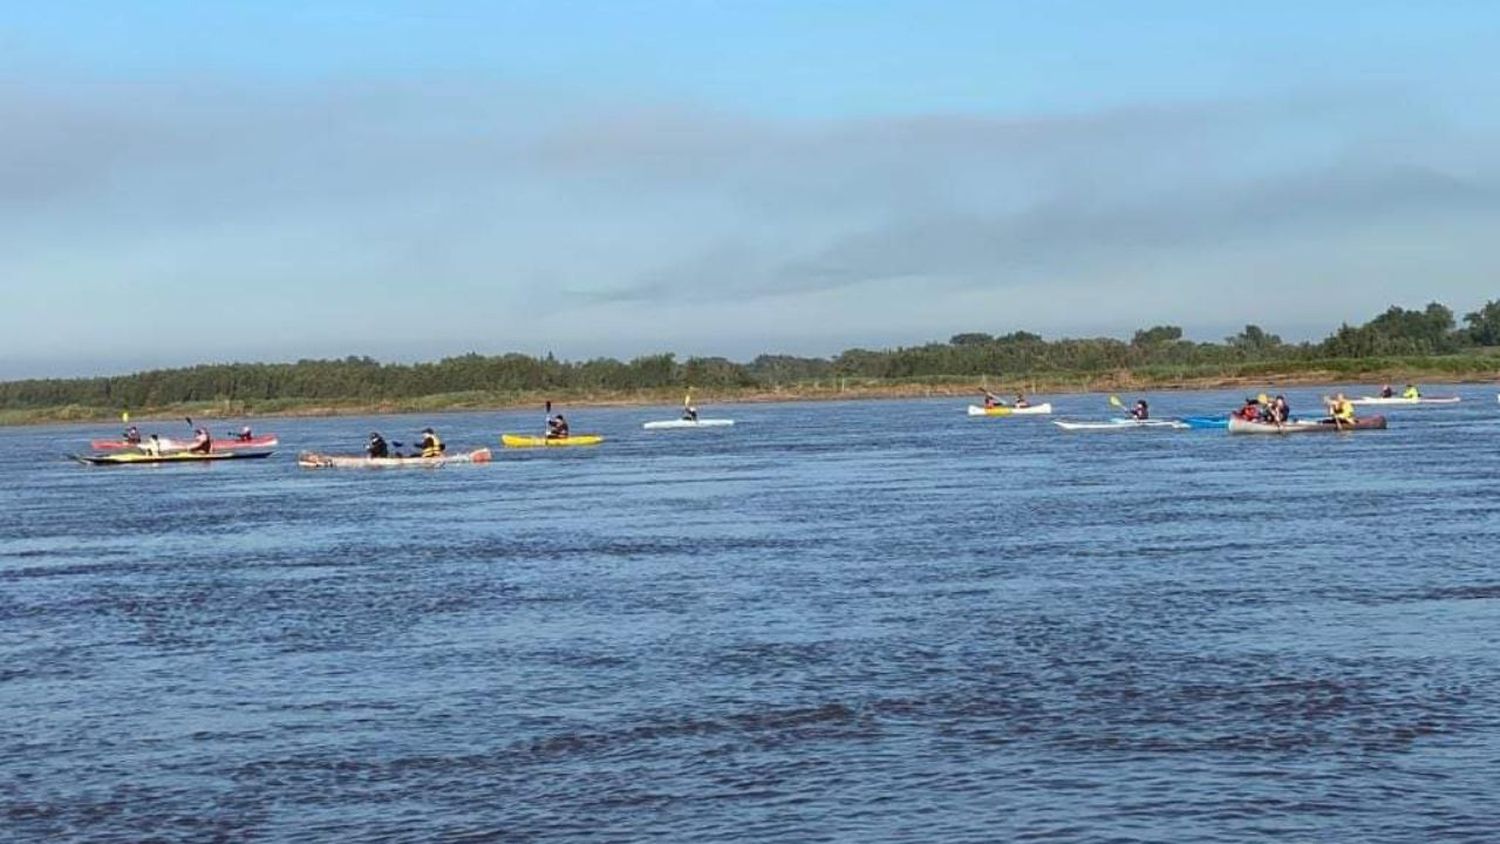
point(1122, 425)
point(521, 441)
point(1305, 426)
point(1033, 410)
point(673, 424)
point(135, 458)
point(1206, 422)
point(1398, 401)
point(169, 444)
point(313, 460)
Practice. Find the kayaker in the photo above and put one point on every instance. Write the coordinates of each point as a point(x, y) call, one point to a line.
point(1341, 411)
point(244, 435)
point(1141, 412)
point(990, 400)
point(1411, 392)
point(431, 446)
point(1281, 412)
point(133, 435)
point(202, 442)
point(689, 413)
point(1021, 400)
point(1386, 392)
point(557, 428)
point(152, 446)
point(377, 446)
point(1249, 411)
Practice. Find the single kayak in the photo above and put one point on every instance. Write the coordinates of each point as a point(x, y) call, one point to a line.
point(133, 458)
point(1403, 402)
point(1304, 426)
point(521, 441)
point(1007, 410)
point(670, 424)
point(313, 460)
point(168, 444)
point(1120, 425)
point(1202, 422)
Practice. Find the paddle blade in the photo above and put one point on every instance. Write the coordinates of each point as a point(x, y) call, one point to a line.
point(1115, 400)
point(125, 416)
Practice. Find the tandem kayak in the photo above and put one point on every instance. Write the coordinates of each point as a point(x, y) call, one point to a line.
point(670, 424)
point(168, 444)
point(1120, 425)
point(141, 458)
point(1405, 402)
point(312, 460)
point(522, 441)
point(1007, 410)
point(1202, 422)
point(1304, 426)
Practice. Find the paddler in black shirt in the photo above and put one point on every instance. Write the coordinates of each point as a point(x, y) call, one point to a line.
point(557, 428)
point(377, 447)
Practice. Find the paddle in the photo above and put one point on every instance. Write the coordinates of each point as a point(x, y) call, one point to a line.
point(1115, 400)
point(547, 420)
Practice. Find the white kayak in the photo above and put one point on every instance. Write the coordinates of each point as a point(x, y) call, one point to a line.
point(1009, 410)
point(1400, 401)
point(688, 423)
point(313, 460)
point(1121, 425)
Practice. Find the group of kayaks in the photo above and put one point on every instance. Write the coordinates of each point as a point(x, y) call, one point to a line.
point(132, 449)
point(1233, 423)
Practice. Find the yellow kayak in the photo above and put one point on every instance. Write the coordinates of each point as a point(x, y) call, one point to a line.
point(520, 441)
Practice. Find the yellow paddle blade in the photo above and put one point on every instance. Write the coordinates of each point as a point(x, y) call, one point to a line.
point(1115, 400)
point(124, 416)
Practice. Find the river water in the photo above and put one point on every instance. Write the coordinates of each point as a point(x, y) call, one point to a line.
point(862, 621)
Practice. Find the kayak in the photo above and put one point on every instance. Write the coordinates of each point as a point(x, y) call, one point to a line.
point(687, 423)
point(1202, 422)
point(1005, 410)
point(1120, 425)
point(521, 441)
point(313, 460)
point(168, 444)
point(1398, 400)
point(1303, 426)
point(141, 458)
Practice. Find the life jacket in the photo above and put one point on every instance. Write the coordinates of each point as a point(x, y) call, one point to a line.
point(1250, 412)
point(1411, 393)
point(1343, 410)
point(432, 446)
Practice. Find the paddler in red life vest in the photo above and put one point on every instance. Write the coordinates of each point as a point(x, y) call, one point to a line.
point(990, 400)
point(431, 446)
point(557, 428)
point(1250, 411)
point(1141, 412)
point(202, 442)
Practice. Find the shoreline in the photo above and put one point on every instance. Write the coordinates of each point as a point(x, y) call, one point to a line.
point(835, 390)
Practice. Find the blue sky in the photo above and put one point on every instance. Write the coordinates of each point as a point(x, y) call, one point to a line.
point(185, 182)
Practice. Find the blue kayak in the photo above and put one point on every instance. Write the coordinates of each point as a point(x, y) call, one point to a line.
point(1206, 421)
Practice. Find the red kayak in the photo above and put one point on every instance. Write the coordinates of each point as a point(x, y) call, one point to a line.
point(225, 444)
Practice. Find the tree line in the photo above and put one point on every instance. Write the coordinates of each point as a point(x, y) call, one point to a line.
point(1396, 332)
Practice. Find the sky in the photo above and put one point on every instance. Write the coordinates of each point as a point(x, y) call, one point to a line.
point(187, 182)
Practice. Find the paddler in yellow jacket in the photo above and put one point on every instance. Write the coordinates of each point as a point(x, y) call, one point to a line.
point(1411, 392)
point(1341, 410)
point(431, 445)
